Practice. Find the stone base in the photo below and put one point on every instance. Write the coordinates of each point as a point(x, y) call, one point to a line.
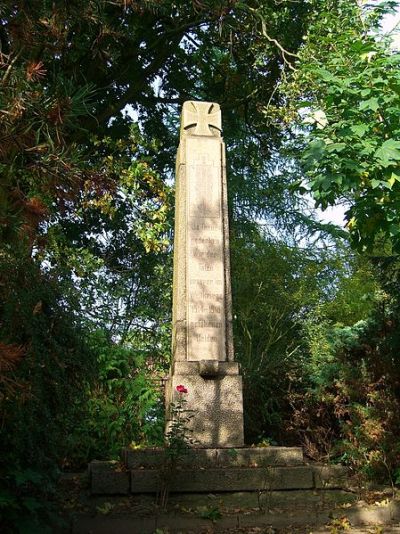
point(215, 458)
point(109, 478)
point(213, 470)
point(214, 401)
point(222, 480)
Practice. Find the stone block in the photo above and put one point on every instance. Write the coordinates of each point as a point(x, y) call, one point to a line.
point(260, 456)
point(365, 515)
point(330, 476)
point(216, 406)
point(147, 480)
point(222, 480)
point(204, 458)
point(148, 458)
point(108, 478)
point(394, 508)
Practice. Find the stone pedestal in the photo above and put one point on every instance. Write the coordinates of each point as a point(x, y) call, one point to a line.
point(215, 396)
point(202, 345)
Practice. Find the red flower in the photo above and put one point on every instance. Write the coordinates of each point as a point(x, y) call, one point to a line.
point(181, 389)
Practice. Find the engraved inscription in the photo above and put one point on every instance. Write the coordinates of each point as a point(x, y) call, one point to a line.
point(205, 263)
point(194, 225)
point(206, 324)
point(205, 338)
point(204, 190)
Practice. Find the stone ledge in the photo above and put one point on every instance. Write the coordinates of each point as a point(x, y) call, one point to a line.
point(223, 480)
point(330, 476)
point(231, 457)
point(108, 478)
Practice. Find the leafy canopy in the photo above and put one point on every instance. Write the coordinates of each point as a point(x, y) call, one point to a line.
point(347, 90)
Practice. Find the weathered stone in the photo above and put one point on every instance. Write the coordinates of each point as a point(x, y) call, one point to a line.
point(264, 500)
point(394, 507)
point(330, 476)
point(149, 458)
point(231, 457)
point(229, 479)
point(260, 456)
point(218, 368)
point(108, 478)
point(216, 407)
point(366, 515)
point(202, 341)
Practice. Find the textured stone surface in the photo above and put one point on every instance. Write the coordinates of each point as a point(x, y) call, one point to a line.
point(261, 457)
point(202, 341)
point(245, 457)
point(266, 501)
point(198, 368)
point(149, 458)
point(108, 478)
point(330, 476)
point(202, 313)
point(228, 479)
point(217, 409)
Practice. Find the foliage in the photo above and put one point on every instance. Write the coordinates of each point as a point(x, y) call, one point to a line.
point(178, 436)
point(22, 504)
point(45, 366)
point(341, 114)
point(89, 118)
point(352, 145)
point(82, 202)
point(350, 409)
point(128, 382)
point(270, 307)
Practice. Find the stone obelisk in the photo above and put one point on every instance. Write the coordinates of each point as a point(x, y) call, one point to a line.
point(202, 344)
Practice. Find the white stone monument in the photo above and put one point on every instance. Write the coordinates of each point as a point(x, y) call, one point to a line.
point(202, 344)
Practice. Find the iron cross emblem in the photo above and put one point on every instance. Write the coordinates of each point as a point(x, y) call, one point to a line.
point(202, 115)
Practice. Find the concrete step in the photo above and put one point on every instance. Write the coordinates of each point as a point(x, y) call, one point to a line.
point(112, 478)
point(223, 480)
point(241, 457)
point(292, 511)
point(266, 509)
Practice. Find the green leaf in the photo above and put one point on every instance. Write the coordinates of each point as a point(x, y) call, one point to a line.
point(388, 153)
point(359, 129)
point(365, 92)
point(375, 183)
point(335, 147)
point(326, 75)
point(369, 148)
point(315, 151)
point(371, 103)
